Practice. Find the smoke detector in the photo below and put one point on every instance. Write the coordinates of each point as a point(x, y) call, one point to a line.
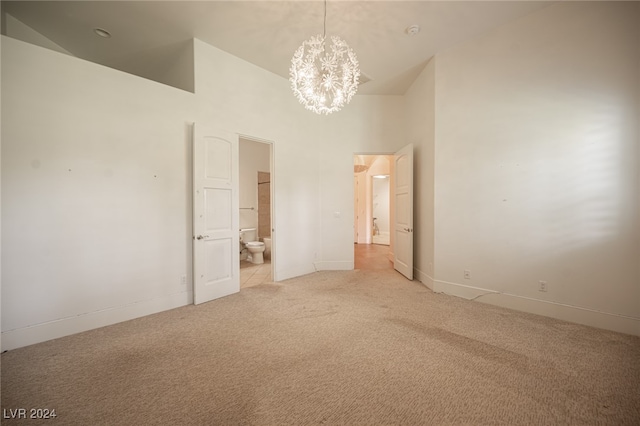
point(102, 32)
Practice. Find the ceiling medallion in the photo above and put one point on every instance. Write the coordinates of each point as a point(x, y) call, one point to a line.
point(324, 77)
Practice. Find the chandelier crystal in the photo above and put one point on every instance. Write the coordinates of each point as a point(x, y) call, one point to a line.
point(324, 78)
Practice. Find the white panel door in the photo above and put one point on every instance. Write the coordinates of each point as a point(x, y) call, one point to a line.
point(216, 254)
point(403, 226)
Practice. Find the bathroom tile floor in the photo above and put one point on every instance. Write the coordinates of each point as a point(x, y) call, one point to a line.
point(251, 274)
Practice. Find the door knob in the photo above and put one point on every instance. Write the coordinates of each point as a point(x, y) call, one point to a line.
point(201, 237)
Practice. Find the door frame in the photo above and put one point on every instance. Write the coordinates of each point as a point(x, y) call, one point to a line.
point(272, 194)
point(391, 189)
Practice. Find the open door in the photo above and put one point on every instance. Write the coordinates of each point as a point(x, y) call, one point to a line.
point(403, 223)
point(216, 236)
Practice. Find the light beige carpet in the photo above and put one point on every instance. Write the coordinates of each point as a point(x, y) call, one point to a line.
point(334, 348)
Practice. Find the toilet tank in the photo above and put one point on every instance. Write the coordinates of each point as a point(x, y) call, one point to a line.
point(248, 234)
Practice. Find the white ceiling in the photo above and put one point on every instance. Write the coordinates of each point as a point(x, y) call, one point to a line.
point(266, 33)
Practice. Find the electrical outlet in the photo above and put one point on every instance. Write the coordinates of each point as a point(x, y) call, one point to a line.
point(542, 286)
point(467, 274)
point(183, 281)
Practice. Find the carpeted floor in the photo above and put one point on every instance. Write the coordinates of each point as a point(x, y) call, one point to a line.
point(335, 348)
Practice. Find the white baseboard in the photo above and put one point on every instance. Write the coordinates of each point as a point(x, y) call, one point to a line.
point(423, 278)
point(12, 339)
point(336, 265)
point(609, 321)
point(460, 290)
point(285, 274)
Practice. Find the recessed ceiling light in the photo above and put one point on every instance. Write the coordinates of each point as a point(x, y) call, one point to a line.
point(412, 29)
point(102, 33)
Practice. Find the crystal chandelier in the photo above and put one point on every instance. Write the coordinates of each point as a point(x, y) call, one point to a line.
point(324, 78)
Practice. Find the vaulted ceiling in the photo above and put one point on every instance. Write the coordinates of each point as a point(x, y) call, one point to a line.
point(148, 34)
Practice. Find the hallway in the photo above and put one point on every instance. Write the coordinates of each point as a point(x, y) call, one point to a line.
point(371, 256)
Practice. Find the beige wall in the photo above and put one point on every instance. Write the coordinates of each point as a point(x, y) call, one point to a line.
point(96, 172)
point(420, 123)
point(264, 205)
point(371, 124)
point(536, 165)
point(95, 194)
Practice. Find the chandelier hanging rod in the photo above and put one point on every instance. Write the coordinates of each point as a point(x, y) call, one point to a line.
point(324, 26)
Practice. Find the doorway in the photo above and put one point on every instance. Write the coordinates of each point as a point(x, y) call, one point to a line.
point(381, 208)
point(398, 168)
point(372, 211)
point(256, 201)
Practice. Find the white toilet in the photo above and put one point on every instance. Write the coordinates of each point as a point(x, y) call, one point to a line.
point(256, 248)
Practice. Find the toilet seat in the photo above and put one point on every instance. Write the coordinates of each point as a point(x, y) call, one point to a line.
point(255, 244)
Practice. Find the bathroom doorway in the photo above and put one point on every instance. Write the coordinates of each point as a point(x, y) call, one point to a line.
point(256, 199)
point(372, 211)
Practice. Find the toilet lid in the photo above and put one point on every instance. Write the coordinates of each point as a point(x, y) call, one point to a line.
point(255, 244)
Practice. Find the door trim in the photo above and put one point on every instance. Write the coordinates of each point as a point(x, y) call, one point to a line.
point(272, 194)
